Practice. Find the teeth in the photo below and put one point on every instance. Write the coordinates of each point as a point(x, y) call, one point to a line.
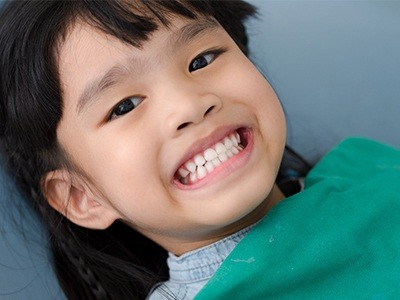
point(210, 154)
point(183, 173)
point(201, 172)
point(209, 166)
point(234, 140)
point(193, 177)
point(202, 164)
point(190, 166)
point(223, 157)
point(220, 148)
point(199, 160)
point(228, 143)
point(216, 162)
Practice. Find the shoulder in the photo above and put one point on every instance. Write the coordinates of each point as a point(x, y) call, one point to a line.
point(357, 159)
point(362, 149)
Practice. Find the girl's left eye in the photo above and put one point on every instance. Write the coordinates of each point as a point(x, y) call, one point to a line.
point(125, 106)
point(204, 59)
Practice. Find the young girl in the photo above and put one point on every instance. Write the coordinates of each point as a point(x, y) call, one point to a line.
point(142, 134)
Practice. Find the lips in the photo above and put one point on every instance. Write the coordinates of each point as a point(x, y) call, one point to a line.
point(212, 157)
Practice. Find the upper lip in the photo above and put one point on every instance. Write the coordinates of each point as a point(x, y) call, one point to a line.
point(206, 142)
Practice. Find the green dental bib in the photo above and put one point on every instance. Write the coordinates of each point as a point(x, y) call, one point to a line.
point(338, 239)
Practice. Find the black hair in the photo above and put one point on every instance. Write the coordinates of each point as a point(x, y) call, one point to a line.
point(116, 263)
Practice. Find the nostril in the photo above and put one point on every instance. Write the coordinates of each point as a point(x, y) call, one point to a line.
point(186, 124)
point(209, 110)
point(183, 125)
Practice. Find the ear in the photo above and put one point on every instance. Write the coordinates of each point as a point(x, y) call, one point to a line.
point(68, 194)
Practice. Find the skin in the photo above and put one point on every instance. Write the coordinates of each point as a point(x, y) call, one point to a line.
point(124, 166)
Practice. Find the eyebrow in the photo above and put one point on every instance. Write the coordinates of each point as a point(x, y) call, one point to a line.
point(182, 36)
point(104, 82)
point(193, 30)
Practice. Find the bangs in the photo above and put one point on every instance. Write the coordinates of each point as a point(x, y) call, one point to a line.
point(134, 21)
point(130, 21)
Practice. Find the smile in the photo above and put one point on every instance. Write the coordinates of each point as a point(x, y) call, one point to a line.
point(213, 158)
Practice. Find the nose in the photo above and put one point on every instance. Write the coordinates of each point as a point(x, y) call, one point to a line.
point(188, 108)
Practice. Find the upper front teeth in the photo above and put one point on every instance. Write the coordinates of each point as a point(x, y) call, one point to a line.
point(199, 160)
point(202, 164)
point(210, 154)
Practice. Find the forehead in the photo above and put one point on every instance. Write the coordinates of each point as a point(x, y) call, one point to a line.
point(88, 55)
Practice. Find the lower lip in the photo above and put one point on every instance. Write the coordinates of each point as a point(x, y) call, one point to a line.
point(225, 169)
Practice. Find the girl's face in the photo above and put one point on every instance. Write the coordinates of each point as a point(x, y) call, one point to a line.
point(149, 128)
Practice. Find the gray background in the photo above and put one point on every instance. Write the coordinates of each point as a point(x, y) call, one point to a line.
point(335, 66)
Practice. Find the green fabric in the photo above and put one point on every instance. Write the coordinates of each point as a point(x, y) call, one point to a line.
point(338, 239)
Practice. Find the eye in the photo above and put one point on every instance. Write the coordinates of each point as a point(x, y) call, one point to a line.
point(125, 106)
point(204, 59)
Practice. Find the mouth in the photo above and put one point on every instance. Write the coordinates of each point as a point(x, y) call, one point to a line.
point(210, 160)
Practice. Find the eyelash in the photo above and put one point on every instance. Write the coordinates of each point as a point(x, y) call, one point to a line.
point(214, 52)
point(131, 103)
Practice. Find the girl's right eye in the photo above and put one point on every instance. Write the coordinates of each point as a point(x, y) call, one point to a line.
point(125, 106)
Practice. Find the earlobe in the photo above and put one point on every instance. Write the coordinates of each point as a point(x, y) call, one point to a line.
point(72, 198)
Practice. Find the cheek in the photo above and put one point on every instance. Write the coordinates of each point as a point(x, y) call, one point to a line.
point(119, 163)
point(266, 105)
point(270, 117)
point(246, 84)
point(124, 160)
point(252, 89)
